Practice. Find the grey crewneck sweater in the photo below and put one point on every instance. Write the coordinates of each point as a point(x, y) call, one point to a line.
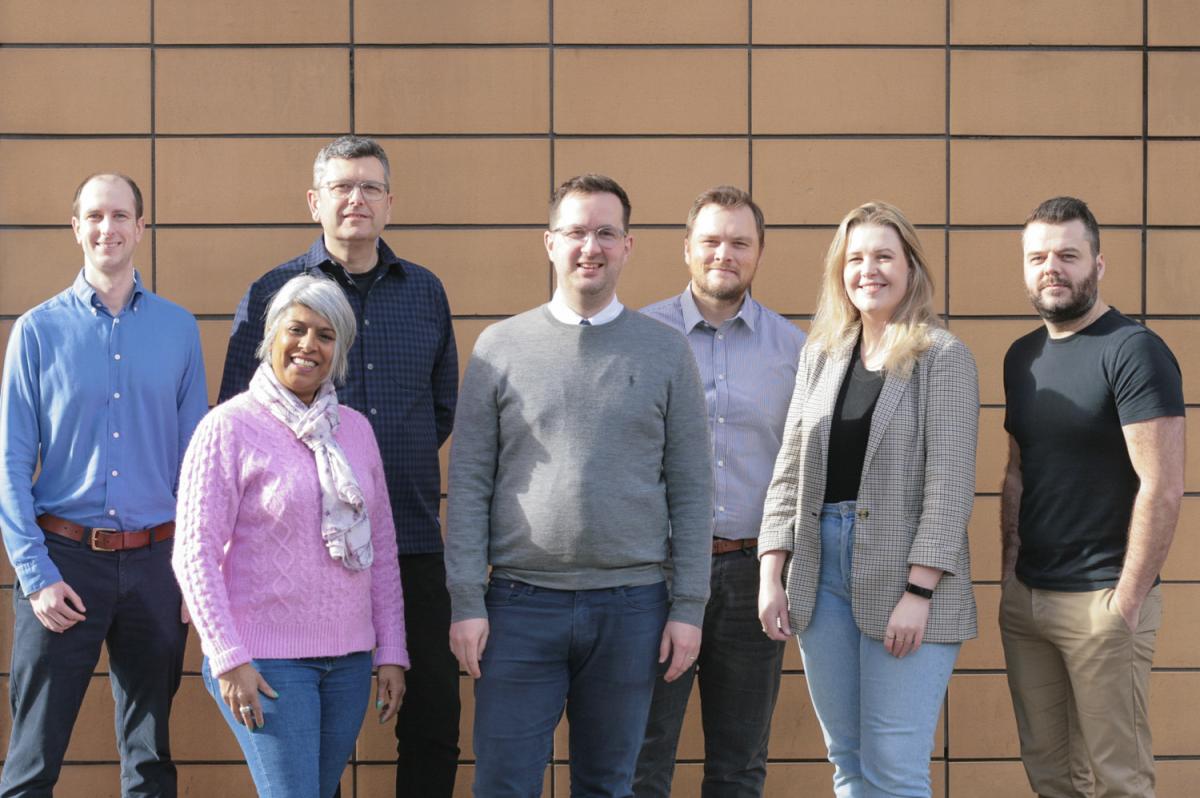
point(578, 453)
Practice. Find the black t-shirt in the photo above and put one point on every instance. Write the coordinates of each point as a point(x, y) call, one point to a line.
point(1067, 400)
point(849, 429)
point(364, 280)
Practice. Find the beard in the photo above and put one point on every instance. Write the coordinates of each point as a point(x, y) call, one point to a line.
point(1082, 299)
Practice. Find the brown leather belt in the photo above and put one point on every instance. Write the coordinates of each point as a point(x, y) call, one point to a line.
point(102, 539)
point(723, 546)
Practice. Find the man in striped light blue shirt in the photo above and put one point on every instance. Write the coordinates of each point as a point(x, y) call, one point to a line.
point(747, 356)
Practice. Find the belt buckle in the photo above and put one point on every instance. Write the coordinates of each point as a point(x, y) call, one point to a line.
point(93, 545)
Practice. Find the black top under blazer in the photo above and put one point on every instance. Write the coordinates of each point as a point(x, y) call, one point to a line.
point(915, 498)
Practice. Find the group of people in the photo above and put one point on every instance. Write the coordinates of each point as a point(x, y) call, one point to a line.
point(638, 502)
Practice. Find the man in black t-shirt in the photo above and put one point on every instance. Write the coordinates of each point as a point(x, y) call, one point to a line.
point(1091, 496)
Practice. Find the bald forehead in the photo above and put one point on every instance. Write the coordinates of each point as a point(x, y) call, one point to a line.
point(108, 189)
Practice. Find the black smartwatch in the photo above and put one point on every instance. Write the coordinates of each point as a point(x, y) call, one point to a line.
point(917, 590)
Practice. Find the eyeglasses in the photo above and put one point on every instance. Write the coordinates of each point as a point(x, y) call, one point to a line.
point(606, 236)
point(344, 189)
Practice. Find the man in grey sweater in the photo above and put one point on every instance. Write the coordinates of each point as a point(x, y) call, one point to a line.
point(580, 466)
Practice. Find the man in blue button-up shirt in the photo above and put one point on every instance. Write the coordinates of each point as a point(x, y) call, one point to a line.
point(403, 376)
point(747, 357)
point(103, 384)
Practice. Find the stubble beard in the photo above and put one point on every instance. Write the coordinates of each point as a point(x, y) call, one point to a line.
point(1083, 299)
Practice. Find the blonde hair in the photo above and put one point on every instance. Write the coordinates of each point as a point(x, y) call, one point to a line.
point(837, 320)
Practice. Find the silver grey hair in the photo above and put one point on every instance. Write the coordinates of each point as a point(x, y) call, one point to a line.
point(348, 148)
point(324, 297)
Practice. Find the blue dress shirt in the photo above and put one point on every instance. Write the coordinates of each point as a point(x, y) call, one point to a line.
point(403, 375)
point(748, 367)
point(108, 403)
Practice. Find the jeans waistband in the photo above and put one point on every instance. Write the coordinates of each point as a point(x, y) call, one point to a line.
point(513, 584)
point(842, 509)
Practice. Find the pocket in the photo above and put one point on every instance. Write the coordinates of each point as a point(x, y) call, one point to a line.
point(505, 593)
point(644, 598)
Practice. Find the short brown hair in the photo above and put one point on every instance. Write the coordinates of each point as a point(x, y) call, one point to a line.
point(1060, 210)
point(137, 192)
point(727, 197)
point(590, 183)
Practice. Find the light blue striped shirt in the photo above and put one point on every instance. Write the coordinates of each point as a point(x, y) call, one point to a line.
point(109, 404)
point(748, 367)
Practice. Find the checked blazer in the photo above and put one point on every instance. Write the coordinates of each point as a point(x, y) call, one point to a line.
point(915, 498)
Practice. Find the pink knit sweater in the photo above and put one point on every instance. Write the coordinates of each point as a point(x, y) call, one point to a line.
point(249, 557)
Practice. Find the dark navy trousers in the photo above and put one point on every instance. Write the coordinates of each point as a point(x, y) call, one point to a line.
point(132, 604)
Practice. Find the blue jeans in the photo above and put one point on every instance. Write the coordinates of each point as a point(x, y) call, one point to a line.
point(132, 603)
point(738, 670)
point(309, 730)
point(594, 652)
point(877, 712)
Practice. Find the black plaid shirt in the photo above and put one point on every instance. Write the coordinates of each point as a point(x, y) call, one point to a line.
point(403, 375)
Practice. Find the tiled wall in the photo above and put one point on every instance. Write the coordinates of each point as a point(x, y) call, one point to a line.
point(966, 113)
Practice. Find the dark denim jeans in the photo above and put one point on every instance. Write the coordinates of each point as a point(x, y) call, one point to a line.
point(594, 652)
point(309, 731)
point(738, 670)
point(132, 604)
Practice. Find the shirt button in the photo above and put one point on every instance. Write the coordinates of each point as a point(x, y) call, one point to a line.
point(116, 473)
point(720, 464)
point(116, 321)
point(112, 512)
point(720, 376)
point(720, 336)
point(117, 395)
point(373, 411)
point(116, 357)
point(366, 322)
point(370, 366)
point(116, 434)
point(721, 509)
point(721, 419)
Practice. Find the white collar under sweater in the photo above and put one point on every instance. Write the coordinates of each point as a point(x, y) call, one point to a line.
point(562, 311)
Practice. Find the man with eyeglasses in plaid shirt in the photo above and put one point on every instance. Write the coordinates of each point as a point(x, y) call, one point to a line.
point(404, 377)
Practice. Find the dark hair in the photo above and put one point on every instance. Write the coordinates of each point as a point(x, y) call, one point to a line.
point(727, 197)
point(590, 183)
point(137, 192)
point(1060, 210)
point(348, 148)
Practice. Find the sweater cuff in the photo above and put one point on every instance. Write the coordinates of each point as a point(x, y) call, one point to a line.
point(226, 661)
point(392, 655)
point(690, 611)
point(466, 604)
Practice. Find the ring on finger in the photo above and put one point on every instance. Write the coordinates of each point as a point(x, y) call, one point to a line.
point(245, 709)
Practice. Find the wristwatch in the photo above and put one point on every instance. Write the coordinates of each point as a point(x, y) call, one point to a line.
point(917, 590)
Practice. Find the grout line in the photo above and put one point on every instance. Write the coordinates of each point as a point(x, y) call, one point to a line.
point(1145, 271)
point(153, 151)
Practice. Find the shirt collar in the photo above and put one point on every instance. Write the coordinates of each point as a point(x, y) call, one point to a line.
point(318, 255)
point(562, 311)
point(87, 295)
point(748, 312)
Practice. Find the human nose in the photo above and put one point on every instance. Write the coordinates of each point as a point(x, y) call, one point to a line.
point(722, 251)
point(591, 241)
point(308, 341)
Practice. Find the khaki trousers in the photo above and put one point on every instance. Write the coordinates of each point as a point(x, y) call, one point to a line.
point(1080, 687)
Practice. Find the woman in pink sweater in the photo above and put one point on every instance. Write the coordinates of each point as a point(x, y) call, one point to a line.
point(286, 553)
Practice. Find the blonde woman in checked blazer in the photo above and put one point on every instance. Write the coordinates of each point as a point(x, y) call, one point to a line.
point(864, 536)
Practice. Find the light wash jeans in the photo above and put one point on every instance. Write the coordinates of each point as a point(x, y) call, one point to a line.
point(877, 712)
point(309, 730)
